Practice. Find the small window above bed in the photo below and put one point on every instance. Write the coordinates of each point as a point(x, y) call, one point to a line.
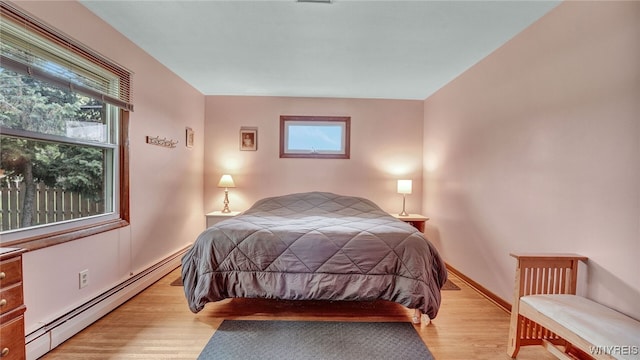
point(322, 137)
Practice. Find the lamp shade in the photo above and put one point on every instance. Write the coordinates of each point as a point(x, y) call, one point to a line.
point(404, 186)
point(226, 181)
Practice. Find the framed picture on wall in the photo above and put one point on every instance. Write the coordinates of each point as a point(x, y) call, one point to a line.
point(189, 137)
point(248, 139)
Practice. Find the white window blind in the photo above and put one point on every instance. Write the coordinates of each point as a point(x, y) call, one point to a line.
point(32, 48)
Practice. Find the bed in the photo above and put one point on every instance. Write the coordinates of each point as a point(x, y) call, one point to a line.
point(314, 246)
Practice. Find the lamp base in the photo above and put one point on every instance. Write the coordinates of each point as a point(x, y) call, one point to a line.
point(225, 209)
point(403, 213)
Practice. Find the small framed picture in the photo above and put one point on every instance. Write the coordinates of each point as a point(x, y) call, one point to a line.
point(189, 137)
point(248, 139)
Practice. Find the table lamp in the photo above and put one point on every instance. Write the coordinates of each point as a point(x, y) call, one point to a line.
point(404, 188)
point(226, 182)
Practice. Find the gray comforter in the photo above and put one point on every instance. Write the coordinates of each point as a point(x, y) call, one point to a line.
point(319, 246)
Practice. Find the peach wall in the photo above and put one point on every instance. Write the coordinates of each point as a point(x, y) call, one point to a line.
point(537, 149)
point(166, 184)
point(386, 144)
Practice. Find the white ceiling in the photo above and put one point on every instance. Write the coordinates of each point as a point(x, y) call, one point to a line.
point(347, 49)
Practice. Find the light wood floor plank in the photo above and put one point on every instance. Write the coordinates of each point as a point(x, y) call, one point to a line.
point(157, 324)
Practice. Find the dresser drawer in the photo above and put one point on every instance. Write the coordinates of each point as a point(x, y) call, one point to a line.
point(10, 271)
point(12, 339)
point(10, 298)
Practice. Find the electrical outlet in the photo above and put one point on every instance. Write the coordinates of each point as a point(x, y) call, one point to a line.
point(83, 277)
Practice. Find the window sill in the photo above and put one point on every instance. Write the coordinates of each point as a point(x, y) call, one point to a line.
point(55, 238)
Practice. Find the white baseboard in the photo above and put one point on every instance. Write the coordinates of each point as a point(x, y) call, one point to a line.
point(51, 335)
point(38, 346)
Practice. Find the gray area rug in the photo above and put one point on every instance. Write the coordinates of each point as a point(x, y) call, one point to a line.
point(321, 340)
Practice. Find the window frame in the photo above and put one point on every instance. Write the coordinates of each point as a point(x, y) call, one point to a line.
point(343, 121)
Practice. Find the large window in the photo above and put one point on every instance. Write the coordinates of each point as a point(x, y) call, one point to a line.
point(63, 113)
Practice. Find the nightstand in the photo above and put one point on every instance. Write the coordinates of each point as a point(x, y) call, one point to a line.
point(215, 217)
point(416, 220)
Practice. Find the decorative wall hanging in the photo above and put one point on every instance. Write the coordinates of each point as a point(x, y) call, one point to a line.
point(156, 140)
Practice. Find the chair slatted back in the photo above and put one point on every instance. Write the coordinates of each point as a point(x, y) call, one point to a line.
point(541, 274)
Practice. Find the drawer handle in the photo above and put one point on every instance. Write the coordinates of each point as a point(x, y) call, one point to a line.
point(4, 352)
point(3, 302)
point(3, 275)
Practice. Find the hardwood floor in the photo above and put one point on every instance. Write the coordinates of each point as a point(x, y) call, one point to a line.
point(157, 324)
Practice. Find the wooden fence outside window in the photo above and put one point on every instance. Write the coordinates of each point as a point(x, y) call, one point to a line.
point(50, 205)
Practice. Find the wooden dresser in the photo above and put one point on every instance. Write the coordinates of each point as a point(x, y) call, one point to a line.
point(12, 308)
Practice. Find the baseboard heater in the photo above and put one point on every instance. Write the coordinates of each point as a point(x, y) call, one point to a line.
point(50, 335)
